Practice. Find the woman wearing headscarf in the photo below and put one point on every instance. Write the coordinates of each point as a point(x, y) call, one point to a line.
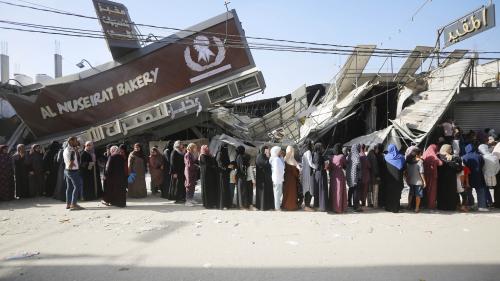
point(177, 190)
point(165, 187)
point(382, 170)
point(365, 174)
point(51, 168)
point(291, 181)
point(490, 169)
point(245, 190)
point(431, 164)
point(264, 182)
point(277, 175)
point(115, 179)
point(156, 167)
point(354, 175)
point(21, 168)
point(60, 189)
point(36, 172)
point(496, 193)
point(208, 179)
point(475, 163)
point(90, 172)
point(6, 175)
point(373, 190)
point(447, 196)
point(137, 169)
point(320, 178)
point(308, 168)
point(338, 192)
point(224, 192)
point(191, 170)
point(395, 165)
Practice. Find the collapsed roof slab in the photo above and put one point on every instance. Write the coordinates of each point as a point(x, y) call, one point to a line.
point(417, 120)
point(454, 57)
point(348, 77)
point(328, 114)
point(283, 116)
point(412, 63)
point(371, 139)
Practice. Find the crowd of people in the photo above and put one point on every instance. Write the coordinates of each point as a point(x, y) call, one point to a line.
point(441, 176)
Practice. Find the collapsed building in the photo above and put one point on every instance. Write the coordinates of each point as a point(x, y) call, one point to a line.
point(190, 85)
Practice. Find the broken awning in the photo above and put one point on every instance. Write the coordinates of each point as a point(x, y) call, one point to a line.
point(330, 113)
point(417, 120)
point(373, 138)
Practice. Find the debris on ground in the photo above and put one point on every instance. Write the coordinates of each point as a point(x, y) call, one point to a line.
point(23, 255)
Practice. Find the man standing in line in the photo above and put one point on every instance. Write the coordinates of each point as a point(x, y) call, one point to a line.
point(72, 174)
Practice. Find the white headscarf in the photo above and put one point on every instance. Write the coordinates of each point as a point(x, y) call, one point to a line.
point(275, 152)
point(491, 165)
point(290, 156)
point(114, 150)
point(496, 150)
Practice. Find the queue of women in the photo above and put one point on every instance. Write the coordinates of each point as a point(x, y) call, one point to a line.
point(440, 177)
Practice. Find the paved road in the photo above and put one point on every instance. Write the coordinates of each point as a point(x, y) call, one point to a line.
point(153, 239)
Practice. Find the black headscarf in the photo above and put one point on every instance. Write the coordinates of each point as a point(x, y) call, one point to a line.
point(317, 156)
point(169, 145)
point(240, 149)
point(222, 156)
point(337, 149)
point(318, 147)
point(262, 159)
point(123, 147)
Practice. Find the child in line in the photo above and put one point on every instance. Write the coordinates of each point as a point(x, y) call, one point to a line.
point(415, 178)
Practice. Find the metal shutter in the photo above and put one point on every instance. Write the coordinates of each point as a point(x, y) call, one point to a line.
point(477, 115)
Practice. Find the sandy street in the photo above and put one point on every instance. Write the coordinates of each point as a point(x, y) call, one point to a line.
point(153, 239)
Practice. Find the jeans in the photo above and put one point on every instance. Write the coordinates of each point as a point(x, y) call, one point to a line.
point(487, 194)
point(278, 192)
point(481, 197)
point(74, 185)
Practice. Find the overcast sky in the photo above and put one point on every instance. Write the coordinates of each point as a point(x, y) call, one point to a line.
point(387, 24)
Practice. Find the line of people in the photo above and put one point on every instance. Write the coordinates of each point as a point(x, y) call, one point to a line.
point(443, 176)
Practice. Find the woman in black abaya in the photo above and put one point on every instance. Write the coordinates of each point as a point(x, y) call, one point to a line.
point(395, 165)
point(264, 183)
point(208, 178)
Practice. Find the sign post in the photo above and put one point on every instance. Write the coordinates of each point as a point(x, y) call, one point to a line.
point(467, 26)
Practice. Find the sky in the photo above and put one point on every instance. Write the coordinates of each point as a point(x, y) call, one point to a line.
point(385, 23)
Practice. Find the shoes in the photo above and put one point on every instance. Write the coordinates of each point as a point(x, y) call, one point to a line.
point(308, 209)
point(76, 208)
point(483, 210)
point(189, 203)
